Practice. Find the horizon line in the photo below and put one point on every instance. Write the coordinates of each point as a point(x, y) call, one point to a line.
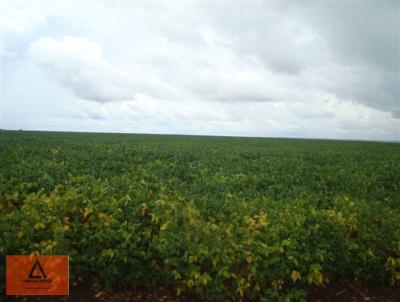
point(205, 135)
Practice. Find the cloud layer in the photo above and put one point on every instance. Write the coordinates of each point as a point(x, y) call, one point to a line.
point(78, 64)
point(270, 69)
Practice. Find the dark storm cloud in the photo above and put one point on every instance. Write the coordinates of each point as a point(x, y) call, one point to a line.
point(363, 34)
point(265, 31)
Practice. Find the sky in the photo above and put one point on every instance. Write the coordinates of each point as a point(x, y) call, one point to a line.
point(307, 69)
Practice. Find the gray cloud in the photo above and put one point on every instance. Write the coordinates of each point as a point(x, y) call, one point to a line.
point(363, 35)
point(232, 67)
point(361, 32)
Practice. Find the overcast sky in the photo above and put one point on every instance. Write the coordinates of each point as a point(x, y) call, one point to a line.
point(253, 68)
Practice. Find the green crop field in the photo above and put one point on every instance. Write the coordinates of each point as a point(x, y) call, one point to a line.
point(213, 217)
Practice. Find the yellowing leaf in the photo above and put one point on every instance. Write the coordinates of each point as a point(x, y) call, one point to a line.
point(295, 275)
point(143, 209)
point(38, 225)
point(320, 278)
point(87, 212)
point(103, 216)
point(190, 283)
point(176, 274)
point(164, 226)
point(99, 294)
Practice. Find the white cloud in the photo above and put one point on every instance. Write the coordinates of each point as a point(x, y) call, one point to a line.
point(189, 67)
point(14, 19)
point(78, 64)
point(328, 117)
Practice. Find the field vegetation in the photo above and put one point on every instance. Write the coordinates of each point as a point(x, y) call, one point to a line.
point(214, 217)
